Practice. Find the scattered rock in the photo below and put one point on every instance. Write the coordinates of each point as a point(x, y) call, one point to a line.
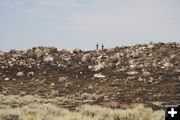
point(99, 75)
point(115, 57)
point(166, 64)
point(140, 79)
point(132, 66)
point(90, 87)
point(2, 53)
point(76, 50)
point(46, 51)
point(48, 58)
point(38, 52)
point(150, 46)
point(19, 74)
point(97, 68)
point(86, 57)
point(132, 73)
point(62, 79)
point(6, 79)
point(30, 74)
point(145, 73)
point(52, 84)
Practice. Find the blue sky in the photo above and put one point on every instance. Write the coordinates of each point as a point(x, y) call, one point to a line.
point(73, 24)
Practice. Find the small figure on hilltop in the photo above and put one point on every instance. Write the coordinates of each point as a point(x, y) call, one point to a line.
point(97, 46)
point(102, 46)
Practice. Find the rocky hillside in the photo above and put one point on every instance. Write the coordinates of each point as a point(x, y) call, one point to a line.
point(148, 73)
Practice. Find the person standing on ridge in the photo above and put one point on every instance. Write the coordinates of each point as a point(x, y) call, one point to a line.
point(102, 46)
point(97, 46)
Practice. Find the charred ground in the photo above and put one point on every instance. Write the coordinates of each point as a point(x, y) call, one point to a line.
point(148, 73)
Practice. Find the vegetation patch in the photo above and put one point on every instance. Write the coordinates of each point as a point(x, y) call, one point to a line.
point(40, 110)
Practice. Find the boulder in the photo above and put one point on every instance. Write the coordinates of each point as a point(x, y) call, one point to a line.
point(30, 74)
point(19, 74)
point(76, 50)
point(86, 57)
point(38, 52)
point(46, 51)
point(98, 67)
point(2, 53)
point(48, 58)
point(115, 57)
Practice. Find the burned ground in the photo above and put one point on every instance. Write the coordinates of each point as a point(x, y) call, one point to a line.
point(148, 74)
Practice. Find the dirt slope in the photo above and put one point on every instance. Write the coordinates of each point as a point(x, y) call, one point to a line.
point(148, 73)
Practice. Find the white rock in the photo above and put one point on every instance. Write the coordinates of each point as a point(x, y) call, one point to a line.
point(140, 79)
point(67, 58)
point(150, 46)
point(132, 73)
point(6, 79)
point(167, 64)
point(71, 51)
point(52, 84)
point(99, 75)
point(2, 67)
point(132, 66)
point(131, 62)
point(48, 58)
point(90, 67)
point(13, 59)
point(19, 74)
point(90, 87)
point(98, 67)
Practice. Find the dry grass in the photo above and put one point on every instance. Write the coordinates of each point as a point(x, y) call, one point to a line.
point(47, 111)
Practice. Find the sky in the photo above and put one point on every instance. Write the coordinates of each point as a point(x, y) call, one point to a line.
point(69, 24)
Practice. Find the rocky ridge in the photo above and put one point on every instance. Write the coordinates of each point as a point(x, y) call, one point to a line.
point(129, 74)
